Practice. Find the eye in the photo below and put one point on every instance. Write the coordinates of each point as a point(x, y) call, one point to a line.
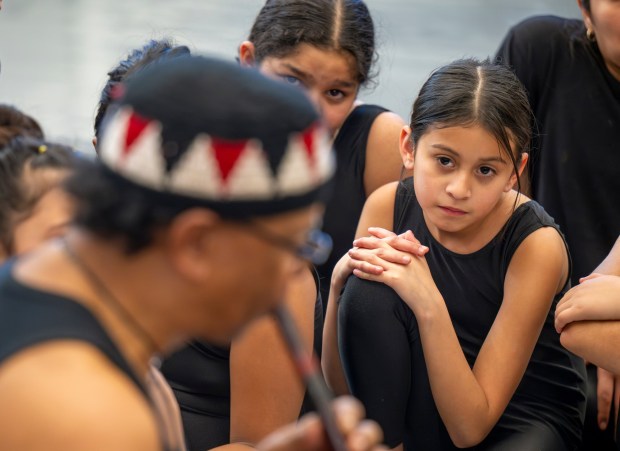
point(336, 94)
point(445, 162)
point(486, 171)
point(291, 80)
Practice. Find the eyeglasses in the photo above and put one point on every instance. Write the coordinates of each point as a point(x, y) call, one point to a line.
point(316, 249)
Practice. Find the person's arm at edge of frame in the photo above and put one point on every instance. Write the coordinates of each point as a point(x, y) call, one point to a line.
point(596, 341)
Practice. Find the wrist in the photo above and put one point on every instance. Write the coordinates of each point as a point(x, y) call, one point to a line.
point(427, 309)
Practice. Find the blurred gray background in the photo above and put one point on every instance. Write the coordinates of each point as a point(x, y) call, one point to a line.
point(55, 53)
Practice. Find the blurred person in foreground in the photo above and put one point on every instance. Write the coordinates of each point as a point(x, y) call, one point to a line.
point(209, 180)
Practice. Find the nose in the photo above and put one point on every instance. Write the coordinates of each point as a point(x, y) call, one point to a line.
point(459, 186)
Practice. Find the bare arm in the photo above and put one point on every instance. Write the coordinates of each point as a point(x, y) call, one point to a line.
point(266, 392)
point(596, 341)
point(82, 402)
point(373, 230)
point(378, 211)
point(588, 316)
point(383, 160)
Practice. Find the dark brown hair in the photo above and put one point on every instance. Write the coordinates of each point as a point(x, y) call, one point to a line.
point(17, 195)
point(15, 123)
point(467, 92)
point(586, 5)
point(138, 59)
point(344, 25)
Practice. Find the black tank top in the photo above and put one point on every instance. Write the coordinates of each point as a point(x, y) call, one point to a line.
point(343, 211)
point(29, 317)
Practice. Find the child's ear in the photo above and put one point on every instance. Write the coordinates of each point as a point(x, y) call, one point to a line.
point(406, 147)
point(587, 19)
point(513, 179)
point(247, 54)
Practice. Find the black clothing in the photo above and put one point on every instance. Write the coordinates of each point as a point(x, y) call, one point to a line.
point(575, 160)
point(384, 361)
point(343, 210)
point(199, 375)
point(29, 317)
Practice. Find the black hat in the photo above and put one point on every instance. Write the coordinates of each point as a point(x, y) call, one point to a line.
point(210, 132)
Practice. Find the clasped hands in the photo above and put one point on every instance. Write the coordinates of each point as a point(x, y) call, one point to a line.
point(396, 260)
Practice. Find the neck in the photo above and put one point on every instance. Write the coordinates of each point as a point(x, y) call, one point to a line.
point(119, 289)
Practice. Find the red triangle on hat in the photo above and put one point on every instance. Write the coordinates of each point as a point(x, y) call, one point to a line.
point(308, 140)
point(227, 153)
point(135, 127)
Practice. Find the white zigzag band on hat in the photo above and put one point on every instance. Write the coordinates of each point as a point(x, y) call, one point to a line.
point(215, 168)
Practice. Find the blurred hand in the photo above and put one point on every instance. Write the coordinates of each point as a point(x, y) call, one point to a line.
point(308, 434)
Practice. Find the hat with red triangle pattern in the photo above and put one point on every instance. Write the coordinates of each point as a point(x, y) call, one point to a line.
point(209, 132)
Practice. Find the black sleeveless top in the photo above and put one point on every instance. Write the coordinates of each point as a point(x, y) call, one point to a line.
point(384, 360)
point(29, 317)
point(343, 211)
point(576, 103)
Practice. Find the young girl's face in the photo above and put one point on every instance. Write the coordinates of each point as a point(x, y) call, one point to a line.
point(327, 75)
point(460, 176)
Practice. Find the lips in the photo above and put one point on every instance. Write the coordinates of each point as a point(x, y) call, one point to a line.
point(452, 211)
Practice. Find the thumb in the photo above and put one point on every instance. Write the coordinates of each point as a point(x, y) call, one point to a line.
point(379, 232)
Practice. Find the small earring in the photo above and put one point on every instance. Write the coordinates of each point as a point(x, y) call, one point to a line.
point(590, 35)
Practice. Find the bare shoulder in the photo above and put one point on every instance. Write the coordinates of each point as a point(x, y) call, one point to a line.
point(378, 210)
point(543, 252)
point(66, 395)
point(385, 125)
point(383, 160)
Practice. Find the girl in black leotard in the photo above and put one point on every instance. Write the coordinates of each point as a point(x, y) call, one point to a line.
point(327, 47)
point(457, 348)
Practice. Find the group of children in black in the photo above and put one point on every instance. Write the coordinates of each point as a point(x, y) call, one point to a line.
point(455, 234)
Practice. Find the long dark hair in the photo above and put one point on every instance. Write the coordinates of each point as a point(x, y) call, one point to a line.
point(470, 91)
point(346, 25)
point(14, 122)
point(586, 5)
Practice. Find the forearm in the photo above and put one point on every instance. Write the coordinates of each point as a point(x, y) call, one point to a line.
point(460, 398)
point(234, 447)
point(611, 264)
point(330, 357)
point(597, 342)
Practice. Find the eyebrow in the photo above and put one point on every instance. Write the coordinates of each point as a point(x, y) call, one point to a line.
point(456, 154)
point(301, 74)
